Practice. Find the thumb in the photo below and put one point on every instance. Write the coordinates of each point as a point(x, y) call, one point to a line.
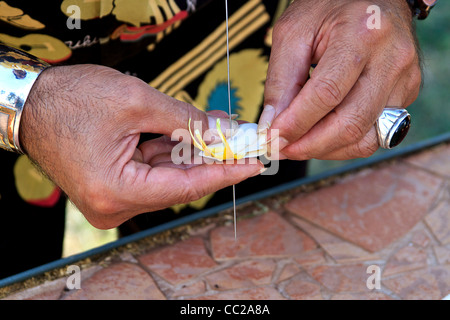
point(165, 114)
point(289, 63)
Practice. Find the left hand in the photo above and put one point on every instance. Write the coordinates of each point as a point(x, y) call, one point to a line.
point(82, 125)
point(359, 72)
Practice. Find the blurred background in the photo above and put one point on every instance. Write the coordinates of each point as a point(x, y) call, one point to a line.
point(430, 117)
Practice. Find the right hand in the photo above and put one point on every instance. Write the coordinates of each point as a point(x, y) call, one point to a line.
point(81, 124)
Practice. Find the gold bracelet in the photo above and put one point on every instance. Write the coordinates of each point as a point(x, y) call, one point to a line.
point(18, 72)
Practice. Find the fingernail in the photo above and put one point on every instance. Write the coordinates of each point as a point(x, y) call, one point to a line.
point(227, 128)
point(266, 119)
point(234, 116)
point(274, 157)
point(282, 143)
point(260, 171)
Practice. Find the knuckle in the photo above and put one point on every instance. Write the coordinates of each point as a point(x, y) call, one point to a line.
point(351, 130)
point(365, 148)
point(327, 93)
point(299, 151)
point(416, 78)
point(99, 201)
point(412, 89)
point(273, 80)
point(103, 207)
point(406, 54)
point(293, 129)
point(306, 152)
point(387, 25)
point(190, 193)
point(382, 32)
point(289, 28)
point(135, 91)
point(283, 26)
point(372, 37)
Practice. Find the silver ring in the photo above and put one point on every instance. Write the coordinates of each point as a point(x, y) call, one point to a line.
point(392, 127)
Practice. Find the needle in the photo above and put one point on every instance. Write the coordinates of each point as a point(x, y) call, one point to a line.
point(229, 111)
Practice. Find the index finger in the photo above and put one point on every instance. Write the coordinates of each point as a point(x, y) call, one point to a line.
point(336, 73)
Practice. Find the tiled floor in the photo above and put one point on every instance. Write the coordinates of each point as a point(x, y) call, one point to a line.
point(389, 223)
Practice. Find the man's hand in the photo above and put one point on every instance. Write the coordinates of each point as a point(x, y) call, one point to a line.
point(82, 124)
point(359, 72)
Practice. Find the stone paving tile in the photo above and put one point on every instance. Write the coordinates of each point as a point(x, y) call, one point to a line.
point(243, 275)
point(49, 290)
point(288, 271)
point(420, 238)
point(375, 295)
point(406, 259)
point(179, 262)
point(266, 235)
point(119, 281)
point(195, 288)
point(439, 221)
point(257, 293)
point(341, 278)
point(310, 258)
point(395, 216)
point(302, 287)
point(372, 208)
point(442, 254)
point(432, 283)
point(435, 159)
point(341, 251)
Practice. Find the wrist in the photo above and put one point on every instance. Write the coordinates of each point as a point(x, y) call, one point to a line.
point(37, 122)
point(18, 73)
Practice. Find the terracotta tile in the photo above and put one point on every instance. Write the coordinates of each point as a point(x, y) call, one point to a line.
point(341, 278)
point(257, 293)
point(311, 258)
point(371, 208)
point(406, 259)
point(340, 250)
point(432, 283)
point(195, 288)
point(435, 160)
point(52, 290)
point(49, 290)
point(420, 238)
point(243, 275)
point(442, 254)
point(120, 281)
point(267, 235)
point(375, 295)
point(179, 262)
point(288, 271)
point(439, 221)
point(301, 287)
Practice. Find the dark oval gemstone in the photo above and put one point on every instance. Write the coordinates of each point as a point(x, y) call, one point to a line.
point(401, 132)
